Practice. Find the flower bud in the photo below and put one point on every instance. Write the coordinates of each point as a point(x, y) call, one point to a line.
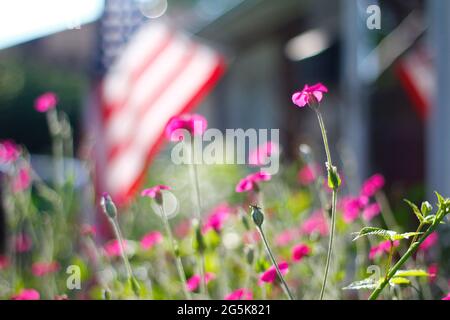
point(257, 215)
point(199, 241)
point(106, 294)
point(426, 208)
point(108, 206)
point(334, 181)
point(135, 286)
point(250, 255)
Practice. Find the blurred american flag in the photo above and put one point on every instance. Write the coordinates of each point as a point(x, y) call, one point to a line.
point(152, 73)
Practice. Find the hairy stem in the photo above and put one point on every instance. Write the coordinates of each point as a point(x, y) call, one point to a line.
point(272, 258)
point(178, 261)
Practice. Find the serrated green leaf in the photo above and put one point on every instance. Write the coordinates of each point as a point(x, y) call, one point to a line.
point(412, 273)
point(415, 210)
point(372, 231)
point(368, 283)
point(406, 235)
point(398, 281)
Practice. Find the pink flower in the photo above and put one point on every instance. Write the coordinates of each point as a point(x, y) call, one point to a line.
point(150, 239)
point(260, 155)
point(88, 230)
point(285, 237)
point(194, 124)
point(182, 229)
point(309, 94)
point(300, 251)
point(372, 185)
point(217, 218)
point(240, 294)
point(308, 174)
point(9, 151)
point(315, 223)
point(430, 241)
point(251, 181)
point(352, 206)
point(40, 269)
point(4, 262)
point(155, 191)
point(112, 248)
point(371, 211)
point(433, 270)
point(270, 274)
point(45, 102)
point(194, 282)
point(22, 181)
point(26, 294)
point(447, 297)
point(381, 248)
point(23, 243)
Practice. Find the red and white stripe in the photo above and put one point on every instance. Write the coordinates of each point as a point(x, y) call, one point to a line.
point(161, 73)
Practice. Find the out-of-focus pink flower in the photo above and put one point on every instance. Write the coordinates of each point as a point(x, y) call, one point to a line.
point(372, 185)
point(217, 218)
point(240, 294)
point(250, 237)
point(22, 180)
point(23, 243)
point(112, 248)
point(45, 102)
point(270, 274)
point(61, 297)
point(315, 223)
point(285, 237)
point(9, 151)
point(383, 247)
point(155, 191)
point(4, 262)
point(251, 181)
point(430, 241)
point(195, 124)
point(182, 229)
point(300, 251)
point(308, 174)
point(433, 270)
point(40, 269)
point(194, 282)
point(26, 294)
point(150, 239)
point(371, 211)
point(309, 94)
point(88, 230)
point(447, 297)
point(260, 155)
point(351, 207)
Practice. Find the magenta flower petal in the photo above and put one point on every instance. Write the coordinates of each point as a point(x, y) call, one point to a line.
point(151, 239)
point(9, 151)
point(372, 185)
point(260, 155)
point(383, 247)
point(40, 269)
point(112, 248)
point(194, 124)
point(153, 191)
point(217, 218)
point(447, 297)
point(270, 274)
point(430, 241)
point(308, 94)
point(240, 294)
point(316, 223)
point(300, 251)
point(194, 282)
point(45, 102)
point(371, 211)
point(249, 182)
point(26, 294)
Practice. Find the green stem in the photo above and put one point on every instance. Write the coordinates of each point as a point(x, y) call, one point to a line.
point(389, 260)
point(201, 257)
point(272, 258)
point(119, 238)
point(178, 261)
point(330, 242)
point(412, 248)
point(324, 136)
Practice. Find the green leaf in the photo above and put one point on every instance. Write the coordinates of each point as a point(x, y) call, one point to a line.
point(398, 281)
point(368, 283)
point(441, 199)
point(406, 235)
point(415, 210)
point(429, 218)
point(385, 234)
point(412, 273)
point(372, 231)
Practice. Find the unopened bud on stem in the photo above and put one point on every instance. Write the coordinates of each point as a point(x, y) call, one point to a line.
point(108, 206)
